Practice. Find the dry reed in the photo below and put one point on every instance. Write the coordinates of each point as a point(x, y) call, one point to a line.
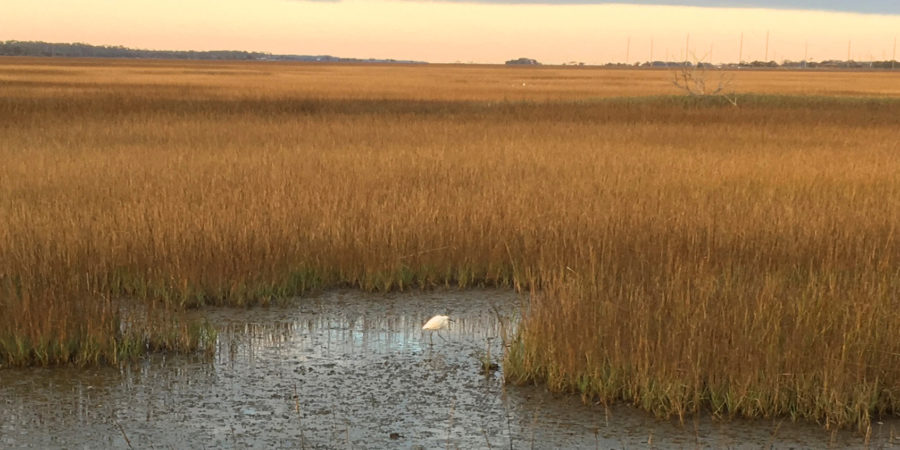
point(683, 253)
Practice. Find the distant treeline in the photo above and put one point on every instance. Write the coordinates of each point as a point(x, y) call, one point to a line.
point(787, 64)
point(80, 50)
point(829, 64)
point(833, 63)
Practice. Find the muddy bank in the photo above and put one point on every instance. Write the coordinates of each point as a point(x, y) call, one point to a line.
point(351, 370)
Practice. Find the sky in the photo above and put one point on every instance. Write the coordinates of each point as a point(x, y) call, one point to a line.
point(484, 31)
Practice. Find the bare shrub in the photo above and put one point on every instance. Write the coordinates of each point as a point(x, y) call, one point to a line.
point(694, 79)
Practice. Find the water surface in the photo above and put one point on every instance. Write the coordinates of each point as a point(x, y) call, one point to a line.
point(351, 370)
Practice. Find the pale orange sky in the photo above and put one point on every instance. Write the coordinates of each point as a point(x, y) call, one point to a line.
point(450, 32)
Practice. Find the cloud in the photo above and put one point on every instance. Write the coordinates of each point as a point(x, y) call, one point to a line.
point(863, 6)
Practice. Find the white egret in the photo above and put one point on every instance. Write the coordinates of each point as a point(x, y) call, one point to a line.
point(436, 323)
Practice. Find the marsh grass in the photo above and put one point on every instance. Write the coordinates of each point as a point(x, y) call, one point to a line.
point(682, 254)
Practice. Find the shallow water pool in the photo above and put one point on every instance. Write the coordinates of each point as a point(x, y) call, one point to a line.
point(351, 370)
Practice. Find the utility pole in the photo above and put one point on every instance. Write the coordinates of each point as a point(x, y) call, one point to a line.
point(627, 49)
point(806, 54)
point(687, 46)
point(894, 57)
point(767, 46)
point(651, 51)
point(741, 51)
point(848, 52)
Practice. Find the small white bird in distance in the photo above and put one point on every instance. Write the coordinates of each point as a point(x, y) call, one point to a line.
point(436, 323)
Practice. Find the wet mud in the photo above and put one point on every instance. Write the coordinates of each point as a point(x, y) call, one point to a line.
point(353, 370)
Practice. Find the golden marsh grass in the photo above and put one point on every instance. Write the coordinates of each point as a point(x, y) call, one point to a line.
point(683, 254)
